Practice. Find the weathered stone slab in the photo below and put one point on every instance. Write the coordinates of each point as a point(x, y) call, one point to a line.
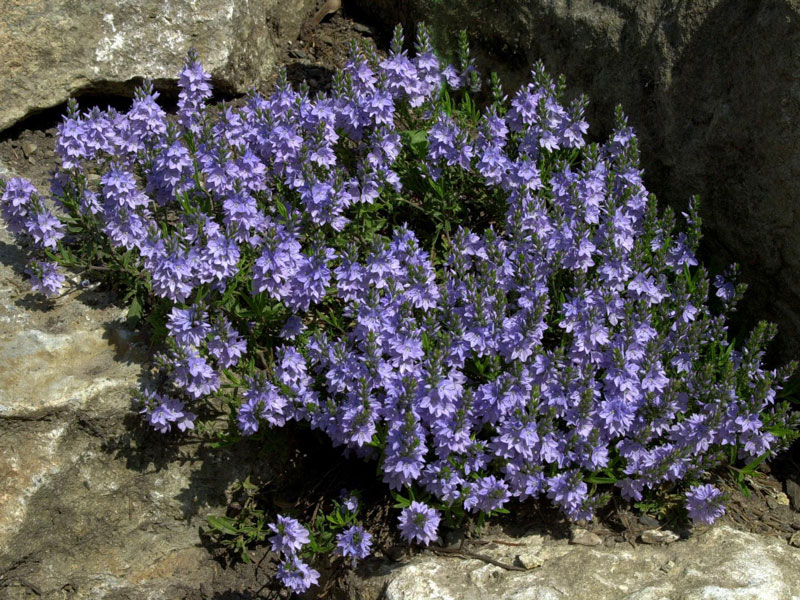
point(54, 49)
point(720, 563)
point(92, 504)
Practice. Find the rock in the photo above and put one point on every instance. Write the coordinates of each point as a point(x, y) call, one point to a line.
point(585, 538)
point(718, 564)
point(659, 536)
point(29, 148)
point(298, 53)
point(711, 88)
point(796, 522)
point(363, 29)
point(795, 539)
point(793, 491)
point(528, 560)
point(780, 499)
point(55, 49)
point(92, 505)
point(649, 521)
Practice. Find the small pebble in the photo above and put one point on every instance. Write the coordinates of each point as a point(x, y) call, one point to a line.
point(668, 566)
point(453, 538)
point(782, 499)
point(297, 53)
point(793, 491)
point(528, 560)
point(581, 537)
point(363, 29)
point(397, 553)
point(659, 536)
point(29, 148)
point(795, 539)
point(325, 39)
point(649, 521)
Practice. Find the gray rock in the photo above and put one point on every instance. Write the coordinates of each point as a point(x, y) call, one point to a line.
point(29, 149)
point(793, 491)
point(583, 537)
point(649, 521)
point(711, 88)
point(363, 29)
point(92, 506)
point(528, 560)
point(659, 536)
point(720, 563)
point(54, 49)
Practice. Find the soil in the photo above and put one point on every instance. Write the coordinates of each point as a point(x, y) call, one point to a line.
point(27, 149)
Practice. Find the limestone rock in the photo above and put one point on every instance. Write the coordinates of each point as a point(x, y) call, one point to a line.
point(718, 563)
point(659, 536)
point(92, 504)
point(55, 49)
point(583, 537)
point(793, 492)
point(711, 88)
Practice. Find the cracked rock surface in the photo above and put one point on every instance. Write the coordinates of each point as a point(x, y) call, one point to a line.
point(55, 49)
point(717, 563)
point(92, 505)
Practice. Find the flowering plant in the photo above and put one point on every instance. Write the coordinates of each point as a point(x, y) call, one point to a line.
point(479, 300)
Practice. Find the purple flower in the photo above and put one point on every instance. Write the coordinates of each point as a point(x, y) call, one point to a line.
point(355, 542)
point(16, 204)
point(226, 345)
point(45, 277)
point(262, 400)
point(171, 271)
point(704, 503)
point(487, 494)
point(725, 289)
point(188, 327)
point(194, 91)
point(297, 575)
point(70, 143)
point(44, 229)
point(289, 535)
point(146, 119)
point(292, 328)
point(162, 412)
point(349, 501)
point(193, 374)
point(419, 522)
point(569, 492)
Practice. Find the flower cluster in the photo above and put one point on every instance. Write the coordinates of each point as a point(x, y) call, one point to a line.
point(419, 523)
point(310, 263)
point(289, 537)
point(30, 221)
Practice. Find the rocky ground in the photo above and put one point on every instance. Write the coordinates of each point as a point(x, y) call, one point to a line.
point(92, 505)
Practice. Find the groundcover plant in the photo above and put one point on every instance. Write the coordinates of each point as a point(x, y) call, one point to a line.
point(478, 300)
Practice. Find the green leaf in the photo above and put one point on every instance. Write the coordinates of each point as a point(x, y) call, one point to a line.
point(135, 309)
point(281, 209)
point(223, 524)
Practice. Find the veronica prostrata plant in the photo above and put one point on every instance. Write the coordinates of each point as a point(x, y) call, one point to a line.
point(479, 300)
